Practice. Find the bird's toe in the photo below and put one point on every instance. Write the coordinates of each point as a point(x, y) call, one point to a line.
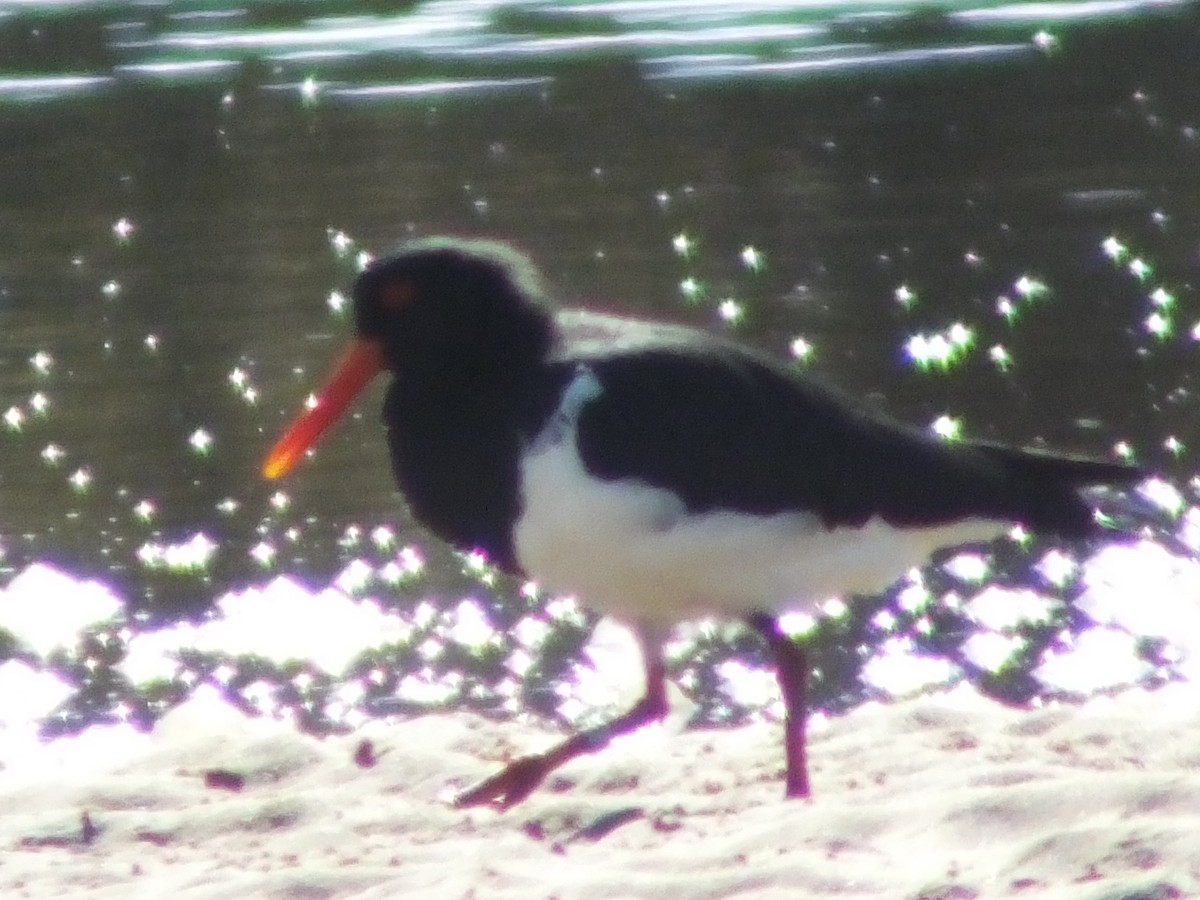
point(508, 787)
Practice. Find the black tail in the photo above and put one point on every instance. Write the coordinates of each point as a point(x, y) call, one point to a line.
point(1059, 470)
point(1048, 486)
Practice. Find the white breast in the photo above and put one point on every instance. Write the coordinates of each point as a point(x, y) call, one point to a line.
point(632, 550)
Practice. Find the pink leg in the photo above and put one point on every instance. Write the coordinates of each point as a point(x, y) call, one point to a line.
point(518, 780)
point(791, 670)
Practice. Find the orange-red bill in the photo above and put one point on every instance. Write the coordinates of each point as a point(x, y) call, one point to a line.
point(358, 365)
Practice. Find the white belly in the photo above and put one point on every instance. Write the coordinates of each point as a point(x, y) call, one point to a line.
point(631, 550)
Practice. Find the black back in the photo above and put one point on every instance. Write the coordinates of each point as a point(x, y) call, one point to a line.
point(727, 429)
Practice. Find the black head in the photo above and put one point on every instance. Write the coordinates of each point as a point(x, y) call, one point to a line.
point(444, 302)
point(464, 318)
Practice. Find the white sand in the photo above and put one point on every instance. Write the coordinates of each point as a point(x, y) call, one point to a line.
point(943, 797)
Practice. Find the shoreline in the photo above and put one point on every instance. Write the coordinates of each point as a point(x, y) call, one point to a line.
point(950, 795)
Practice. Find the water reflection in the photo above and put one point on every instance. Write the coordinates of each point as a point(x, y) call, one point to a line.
point(50, 87)
point(1003, 246)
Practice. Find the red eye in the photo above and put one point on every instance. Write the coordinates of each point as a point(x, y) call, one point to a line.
point(396, 294)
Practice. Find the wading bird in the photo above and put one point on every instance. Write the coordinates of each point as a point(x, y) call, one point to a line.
point(656, 472)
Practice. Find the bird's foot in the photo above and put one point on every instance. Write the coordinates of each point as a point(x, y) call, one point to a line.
point(796, 786)
point(509, 786)
point(518, 780)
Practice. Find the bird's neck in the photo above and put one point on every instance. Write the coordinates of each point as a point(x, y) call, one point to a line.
point(470, 390)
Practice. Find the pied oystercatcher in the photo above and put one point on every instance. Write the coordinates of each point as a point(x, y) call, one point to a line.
point(657, 472)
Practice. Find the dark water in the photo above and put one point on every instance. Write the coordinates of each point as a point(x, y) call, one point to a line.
point(168, 235)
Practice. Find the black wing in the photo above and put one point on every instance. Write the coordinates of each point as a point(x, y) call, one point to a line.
point(727, 429)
